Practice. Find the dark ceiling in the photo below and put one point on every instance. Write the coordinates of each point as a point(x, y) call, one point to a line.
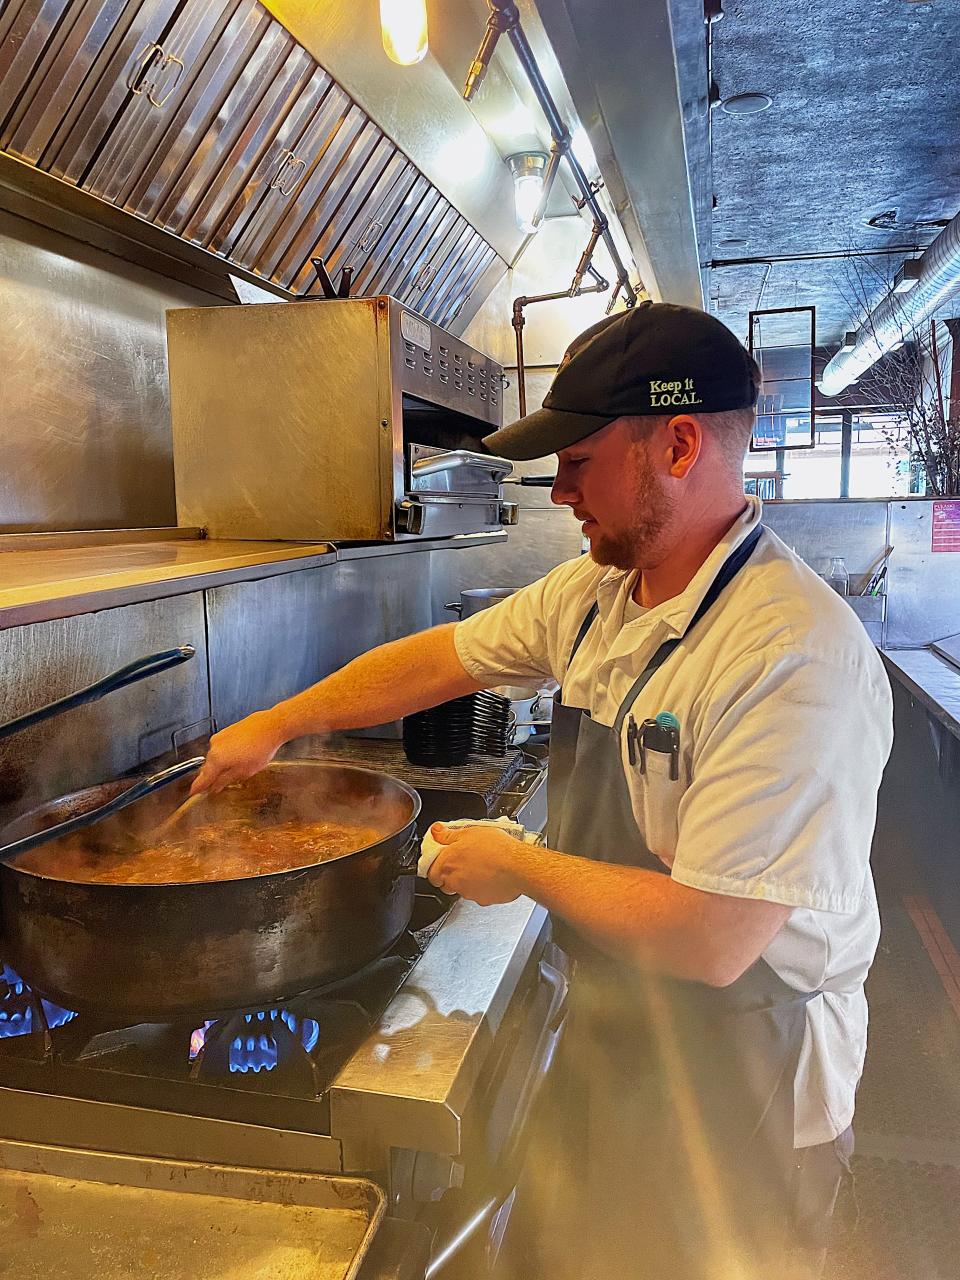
point(865, 124)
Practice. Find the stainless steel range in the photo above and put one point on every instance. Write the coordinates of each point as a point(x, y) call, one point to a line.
point(419, 1072)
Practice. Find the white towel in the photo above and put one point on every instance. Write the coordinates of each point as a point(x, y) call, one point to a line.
point(430, 848)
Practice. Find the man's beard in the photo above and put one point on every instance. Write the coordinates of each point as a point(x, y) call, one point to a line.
point(635, 546)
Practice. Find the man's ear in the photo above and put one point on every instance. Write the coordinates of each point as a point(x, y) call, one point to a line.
point(685, 439)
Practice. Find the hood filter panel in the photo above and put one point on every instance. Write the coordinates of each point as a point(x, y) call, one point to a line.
point(206, 118)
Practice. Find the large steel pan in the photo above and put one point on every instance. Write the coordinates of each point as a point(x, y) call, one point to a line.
point(159, 951)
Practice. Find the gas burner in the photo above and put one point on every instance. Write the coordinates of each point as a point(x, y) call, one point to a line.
point(294, 1049)
point(22, 1011)
point(259, 1040)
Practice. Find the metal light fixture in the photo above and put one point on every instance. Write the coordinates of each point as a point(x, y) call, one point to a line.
point(403, 30)
point(849, 340)
point(528, 168)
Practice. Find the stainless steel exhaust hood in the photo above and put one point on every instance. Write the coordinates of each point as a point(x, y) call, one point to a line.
point(206, 119)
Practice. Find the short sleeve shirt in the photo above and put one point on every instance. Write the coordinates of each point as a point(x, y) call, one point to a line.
point(785, 719)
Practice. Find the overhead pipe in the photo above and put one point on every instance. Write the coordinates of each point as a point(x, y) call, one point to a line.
point(576, 289)
point(504, 19)
point(899, 314)
point(518, 321)
point(549, 177)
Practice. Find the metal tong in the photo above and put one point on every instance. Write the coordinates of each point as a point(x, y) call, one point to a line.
point(875, 583)
point(141, 669)
point(145, 787)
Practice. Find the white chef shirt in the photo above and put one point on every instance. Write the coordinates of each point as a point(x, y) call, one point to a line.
point(785, 726)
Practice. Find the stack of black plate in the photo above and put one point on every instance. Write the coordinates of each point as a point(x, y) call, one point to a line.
point(441, 735)
point(492, 722)
point(448, 734)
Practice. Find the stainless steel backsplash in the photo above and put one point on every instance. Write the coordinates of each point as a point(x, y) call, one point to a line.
point(85, 437)
point(91, 744)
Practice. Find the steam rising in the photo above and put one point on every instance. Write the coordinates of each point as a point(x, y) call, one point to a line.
point(290, 815)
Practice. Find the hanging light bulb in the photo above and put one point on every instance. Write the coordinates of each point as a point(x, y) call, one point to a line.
point(528, 169)
point(403, 30)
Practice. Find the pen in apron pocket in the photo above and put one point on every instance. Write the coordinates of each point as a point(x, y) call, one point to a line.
point(661, 734)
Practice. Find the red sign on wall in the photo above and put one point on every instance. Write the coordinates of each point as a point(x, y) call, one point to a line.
point(945, 532)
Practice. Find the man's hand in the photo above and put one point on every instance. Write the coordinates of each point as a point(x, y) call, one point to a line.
point(239, 751)
point(479, 863)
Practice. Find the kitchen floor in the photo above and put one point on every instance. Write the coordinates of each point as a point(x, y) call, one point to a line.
point(907, 1164)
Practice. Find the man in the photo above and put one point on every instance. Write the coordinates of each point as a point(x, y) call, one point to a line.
point(716, 750)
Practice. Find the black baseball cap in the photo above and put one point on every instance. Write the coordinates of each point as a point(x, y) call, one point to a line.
point(655, 358)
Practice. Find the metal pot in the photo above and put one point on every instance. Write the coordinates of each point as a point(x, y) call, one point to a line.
point(530, 711)
point(161, 951)
point(478, 598)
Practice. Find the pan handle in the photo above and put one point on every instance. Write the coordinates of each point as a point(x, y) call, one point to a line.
point(410, 856)
point(151, 665)
point(456, 607)
point(139, 789)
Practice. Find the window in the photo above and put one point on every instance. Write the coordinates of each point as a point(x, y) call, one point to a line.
point(879, 462)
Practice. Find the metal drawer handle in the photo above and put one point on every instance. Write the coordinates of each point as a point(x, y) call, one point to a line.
point(438, 463)
point(370, 236)
point(153, 664)
point(289, 173)
point(425, 277)
point(145, 74)
point(178, 69)
point(150, 70)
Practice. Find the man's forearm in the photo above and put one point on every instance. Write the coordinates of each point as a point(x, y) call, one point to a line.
point(649, 919)
point(628, 912)
point(385, 684)
point(382, 685)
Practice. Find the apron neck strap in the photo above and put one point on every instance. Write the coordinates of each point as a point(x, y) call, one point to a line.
point(728, 571)
point(585, 626)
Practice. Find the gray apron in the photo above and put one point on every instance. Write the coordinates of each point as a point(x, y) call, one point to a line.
point(668, 1135)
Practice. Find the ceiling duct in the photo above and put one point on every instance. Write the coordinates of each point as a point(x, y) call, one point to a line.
point(899, 314)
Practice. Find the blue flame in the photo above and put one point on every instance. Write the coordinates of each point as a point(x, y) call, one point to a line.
point(18, 1021)
point(257, 1048)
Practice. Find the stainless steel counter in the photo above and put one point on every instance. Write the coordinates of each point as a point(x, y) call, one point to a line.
point(931, 679)
point(48, 576)
point(409, 1084)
